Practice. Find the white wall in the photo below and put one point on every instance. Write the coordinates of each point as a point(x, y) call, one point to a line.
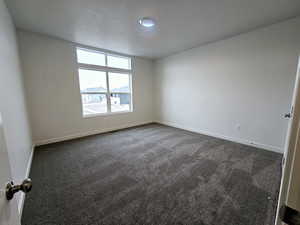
point(12, 100)
point(52, 88)
point(237, 88)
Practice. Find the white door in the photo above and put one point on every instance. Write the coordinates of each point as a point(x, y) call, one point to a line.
point(290, 183)
point(9, 214)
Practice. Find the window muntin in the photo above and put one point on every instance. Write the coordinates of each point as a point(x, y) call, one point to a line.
point(105, 88)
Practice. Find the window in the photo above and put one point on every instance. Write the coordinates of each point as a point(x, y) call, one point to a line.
point(105, 82)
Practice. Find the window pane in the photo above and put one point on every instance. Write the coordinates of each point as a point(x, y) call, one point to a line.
point(94, 104)
point(118, 62)
point(90, 57)
point(120, 102)
point(92, 81)
point(119, 82)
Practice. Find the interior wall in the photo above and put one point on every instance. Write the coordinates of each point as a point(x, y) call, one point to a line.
point(237, 89)
point(12, 99)
point(52, 89)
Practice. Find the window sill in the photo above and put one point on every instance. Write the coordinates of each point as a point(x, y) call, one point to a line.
point(105, 114)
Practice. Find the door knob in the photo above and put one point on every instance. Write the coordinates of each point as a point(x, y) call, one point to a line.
point(11, 189)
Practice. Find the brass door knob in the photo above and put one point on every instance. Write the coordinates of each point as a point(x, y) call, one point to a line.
point(11, 189)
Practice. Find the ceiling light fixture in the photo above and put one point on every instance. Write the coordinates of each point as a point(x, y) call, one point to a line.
point(147, 22)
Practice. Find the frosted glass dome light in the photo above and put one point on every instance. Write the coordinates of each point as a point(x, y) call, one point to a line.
point(147, 22)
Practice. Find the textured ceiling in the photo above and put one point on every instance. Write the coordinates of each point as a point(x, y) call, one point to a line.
point(181, 24)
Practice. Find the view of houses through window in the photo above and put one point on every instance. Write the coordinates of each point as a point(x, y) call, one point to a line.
point(105, 82)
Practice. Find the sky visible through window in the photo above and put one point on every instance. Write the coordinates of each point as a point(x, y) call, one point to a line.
point(90, 57)
point(119, 82)
point(92, 79)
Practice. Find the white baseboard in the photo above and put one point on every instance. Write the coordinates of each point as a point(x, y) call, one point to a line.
point(22, 195)
point(233, 139)
point(84, 134)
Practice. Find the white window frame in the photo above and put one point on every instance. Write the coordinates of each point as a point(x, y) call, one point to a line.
point(107, 70)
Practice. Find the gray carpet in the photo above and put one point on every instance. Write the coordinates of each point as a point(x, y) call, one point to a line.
point(152, 175)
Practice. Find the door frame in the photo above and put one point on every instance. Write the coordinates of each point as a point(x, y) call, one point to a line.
point(291, 142)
